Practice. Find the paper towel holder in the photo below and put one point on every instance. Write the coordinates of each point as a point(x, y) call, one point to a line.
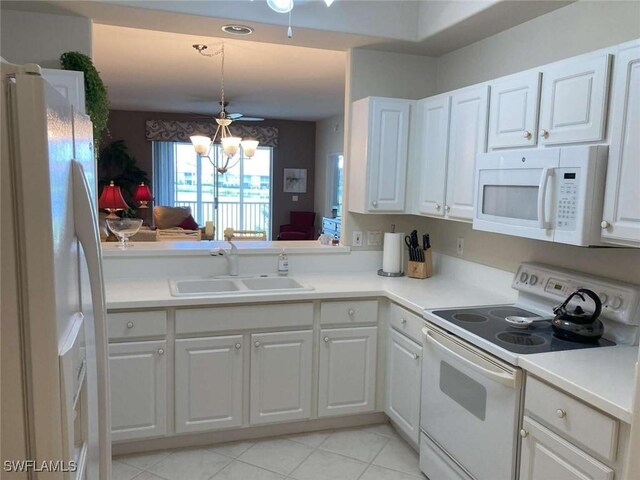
point(382, 273)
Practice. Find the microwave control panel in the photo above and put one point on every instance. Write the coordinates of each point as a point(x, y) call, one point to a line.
point(568, 193)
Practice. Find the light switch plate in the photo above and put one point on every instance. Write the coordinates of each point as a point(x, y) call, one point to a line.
point(294, 198)
point(357, 239)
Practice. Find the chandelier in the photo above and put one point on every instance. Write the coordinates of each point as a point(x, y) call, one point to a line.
point(233, 148)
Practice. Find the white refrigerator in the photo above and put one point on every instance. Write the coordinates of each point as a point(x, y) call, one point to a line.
point(54, 392)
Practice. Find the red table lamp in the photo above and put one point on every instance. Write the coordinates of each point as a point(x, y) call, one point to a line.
point(111, 200)
point(142, 195)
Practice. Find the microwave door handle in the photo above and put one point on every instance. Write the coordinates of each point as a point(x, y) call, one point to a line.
point(542, 197)
point(503, 378)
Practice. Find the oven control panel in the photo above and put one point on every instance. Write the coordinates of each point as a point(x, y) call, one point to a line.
point(537, 282)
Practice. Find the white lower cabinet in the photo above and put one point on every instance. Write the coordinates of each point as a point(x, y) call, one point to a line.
point(347, 375)
point(403, 384)
point(137, 374)
point(281, 372)
point(208, 383)
point(546, 456)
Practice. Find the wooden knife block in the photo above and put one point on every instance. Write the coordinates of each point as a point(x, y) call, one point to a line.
point(421, 269)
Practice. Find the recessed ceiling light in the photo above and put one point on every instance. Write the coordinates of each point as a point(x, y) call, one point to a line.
point(237, 29)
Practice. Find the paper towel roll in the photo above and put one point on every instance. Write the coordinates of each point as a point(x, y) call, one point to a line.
point(392, 253)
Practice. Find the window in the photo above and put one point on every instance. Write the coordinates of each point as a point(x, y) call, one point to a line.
point(183, 178)
point(335, 182)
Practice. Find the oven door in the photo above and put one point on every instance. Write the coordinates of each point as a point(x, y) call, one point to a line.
point(514, 193)
point(470, 405)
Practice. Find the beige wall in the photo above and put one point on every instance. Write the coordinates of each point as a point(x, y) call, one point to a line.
point(28, 37)
point(329, 140)
point(296, 150)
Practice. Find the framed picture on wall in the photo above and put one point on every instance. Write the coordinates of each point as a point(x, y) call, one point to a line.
point(295, 180)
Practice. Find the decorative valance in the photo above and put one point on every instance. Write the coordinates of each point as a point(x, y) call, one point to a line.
point(174, 131)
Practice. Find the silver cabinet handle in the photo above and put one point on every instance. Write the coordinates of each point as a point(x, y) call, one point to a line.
point(604, 224)
point(447, 208)
point(257, 344)
point(438, 206)
point(416, 356)
point(130, 325)
point(544, 133)
point(527, 134)
point(326, 339)
point(374, 203)
point(403, 321)
point(238, 346)
point(351, 312)
point(161, 351)
point(561, 413)
point(524, 433)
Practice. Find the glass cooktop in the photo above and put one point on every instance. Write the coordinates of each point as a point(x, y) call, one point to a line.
point(489, 323)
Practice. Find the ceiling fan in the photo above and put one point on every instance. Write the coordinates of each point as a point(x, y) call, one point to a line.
point(236, 117)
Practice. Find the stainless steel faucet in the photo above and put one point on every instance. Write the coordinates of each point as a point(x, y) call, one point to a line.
point(231, 255)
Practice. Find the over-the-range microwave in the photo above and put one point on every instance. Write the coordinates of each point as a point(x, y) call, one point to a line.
point(553, 194)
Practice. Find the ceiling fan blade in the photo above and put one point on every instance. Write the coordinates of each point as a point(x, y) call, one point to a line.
point(234, 116)
point(250, 119)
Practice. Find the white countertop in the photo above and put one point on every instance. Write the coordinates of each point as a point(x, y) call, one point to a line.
point(602, 377)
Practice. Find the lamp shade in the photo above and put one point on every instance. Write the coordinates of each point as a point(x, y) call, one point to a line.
point(142, 193)
point(230, 145)
point(249, 147)
point(200, 144)
point(111, 198)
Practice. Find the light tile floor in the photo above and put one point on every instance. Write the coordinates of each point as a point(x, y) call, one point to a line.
point(365, 453)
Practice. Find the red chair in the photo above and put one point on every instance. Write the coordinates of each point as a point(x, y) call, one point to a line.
point(300, 228)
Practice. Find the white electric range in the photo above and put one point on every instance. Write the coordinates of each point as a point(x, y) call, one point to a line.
point(471, 383)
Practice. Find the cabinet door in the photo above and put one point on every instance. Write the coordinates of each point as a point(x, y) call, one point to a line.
point(434, 131)
point(388, 145)
point(574, 100)
point(403, 383)
point(208, 383)
point(622, 195)
point(513, 111)
point(467, 138)
point(138, 383)
point(281, 376)
point(546, 456)
point(347, 382)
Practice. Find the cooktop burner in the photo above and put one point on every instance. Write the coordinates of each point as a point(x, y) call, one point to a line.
point(489, 323)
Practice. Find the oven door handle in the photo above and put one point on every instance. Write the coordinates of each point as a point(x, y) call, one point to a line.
point(542, 198)
point(503, 378)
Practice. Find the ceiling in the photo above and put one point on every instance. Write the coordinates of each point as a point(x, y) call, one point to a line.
point(143, 47)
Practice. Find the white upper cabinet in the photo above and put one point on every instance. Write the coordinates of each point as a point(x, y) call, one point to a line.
point(378, 154)
point(433, 130)
point(621, 222)
point(208, 383)
point(70, 84)
point(467, 138)
point(513, 118)
point(574, 100)
point(281, 372)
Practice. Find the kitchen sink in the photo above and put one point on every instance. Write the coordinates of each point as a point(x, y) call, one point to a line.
point(273, 283)
point(203, 287)
point(234, 286)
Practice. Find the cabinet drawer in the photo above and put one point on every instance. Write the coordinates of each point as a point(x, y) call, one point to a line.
point(575, 420)
point(203, 320)
point(406, 322)
point(122, 326)
point(353, 312)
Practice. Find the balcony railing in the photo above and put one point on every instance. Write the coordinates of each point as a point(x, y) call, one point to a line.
point(237, 215)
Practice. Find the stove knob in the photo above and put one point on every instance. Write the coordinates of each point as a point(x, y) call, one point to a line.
point(524, 276)
point(617, 302)
point(603, 297)
point(533, 279)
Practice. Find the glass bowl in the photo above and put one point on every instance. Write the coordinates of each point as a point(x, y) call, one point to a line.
point(123, 228)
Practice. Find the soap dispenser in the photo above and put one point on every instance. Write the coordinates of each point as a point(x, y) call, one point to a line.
point(283, 263)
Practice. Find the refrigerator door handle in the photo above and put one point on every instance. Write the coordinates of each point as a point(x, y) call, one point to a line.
point(86, 227)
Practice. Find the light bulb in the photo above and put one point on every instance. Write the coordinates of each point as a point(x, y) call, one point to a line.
point(249, 147)
point(200, 144)
point(230, 145)
point(280, 6)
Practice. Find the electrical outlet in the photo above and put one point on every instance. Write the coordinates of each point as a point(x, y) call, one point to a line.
point(460, 246)
point(374, 239)
point(357, 239)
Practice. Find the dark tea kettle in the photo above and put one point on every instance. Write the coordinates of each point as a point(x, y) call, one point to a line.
point(578, 325)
